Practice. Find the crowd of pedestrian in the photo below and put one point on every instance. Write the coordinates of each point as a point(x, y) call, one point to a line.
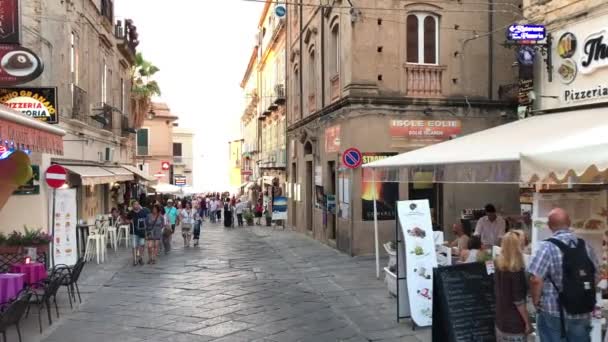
point(154, 223)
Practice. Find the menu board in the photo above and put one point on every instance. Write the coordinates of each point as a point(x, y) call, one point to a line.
point(588, 212)
point(420, 258)
point(64, 238)
point(463, 304)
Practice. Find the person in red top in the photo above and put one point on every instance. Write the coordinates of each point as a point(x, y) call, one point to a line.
point(259, 211)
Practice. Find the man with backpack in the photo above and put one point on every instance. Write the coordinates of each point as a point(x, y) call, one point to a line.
point(563, 284)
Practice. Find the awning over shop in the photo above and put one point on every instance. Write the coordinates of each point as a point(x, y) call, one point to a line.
point(580, 158)
point(121, 174)
point(91, 175)
point(22, 132)
point(492, 155)
point(165, 188)
point(139, 173)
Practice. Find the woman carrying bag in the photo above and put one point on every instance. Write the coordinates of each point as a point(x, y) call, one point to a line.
point(154, 227)
point(186, 219)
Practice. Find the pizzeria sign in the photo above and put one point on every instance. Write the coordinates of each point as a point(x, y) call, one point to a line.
point(39, 103)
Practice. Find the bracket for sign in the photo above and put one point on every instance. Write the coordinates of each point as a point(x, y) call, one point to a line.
point(544, 49)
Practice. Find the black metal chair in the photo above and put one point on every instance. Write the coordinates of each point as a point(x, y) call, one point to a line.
point(12, 312)
point(43, 292)
point(70, 278)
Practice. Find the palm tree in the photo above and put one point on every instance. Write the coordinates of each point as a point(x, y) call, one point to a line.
point(143, 87)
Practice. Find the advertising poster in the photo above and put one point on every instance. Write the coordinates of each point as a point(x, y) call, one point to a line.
point(10, 25)
point(332, 139)
point(32, 187)
point(318, 175)
point(279, 208)
point(387, 193)
point(419, 133)
point(64, 239)
point(37, 103)
point(417, 229)
point(18, 65)
point(588, 212)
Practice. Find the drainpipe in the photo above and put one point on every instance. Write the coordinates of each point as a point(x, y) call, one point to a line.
point(322, 46)
point(301, 68)
point(490, 49)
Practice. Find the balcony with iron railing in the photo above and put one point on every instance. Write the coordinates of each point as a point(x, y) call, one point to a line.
point(128, 38)
point(424, 80)
point(279, 94)
point(107, 10)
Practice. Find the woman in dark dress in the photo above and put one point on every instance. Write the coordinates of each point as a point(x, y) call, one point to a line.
point(154, 230)
point(512, 318)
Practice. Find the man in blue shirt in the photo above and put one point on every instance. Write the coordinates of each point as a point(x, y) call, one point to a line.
point(546, 265)
point(138, 216)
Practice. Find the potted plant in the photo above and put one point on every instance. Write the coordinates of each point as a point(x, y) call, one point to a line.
point(248, 217)
point(268, 217)
point(36, 238)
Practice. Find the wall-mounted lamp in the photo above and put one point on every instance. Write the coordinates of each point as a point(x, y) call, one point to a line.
point(151, 114)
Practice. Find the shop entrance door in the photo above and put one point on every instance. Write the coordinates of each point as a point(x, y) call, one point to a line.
point(309, 200)
point(331, 190)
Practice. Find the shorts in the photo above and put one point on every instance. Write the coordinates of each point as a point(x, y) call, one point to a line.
point(138, 241)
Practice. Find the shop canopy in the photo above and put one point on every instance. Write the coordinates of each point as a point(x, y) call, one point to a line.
point(493, 155)
point(24, 133)
point(92, 175)
point(165, 188)
point(140, 174)
point(580, 158)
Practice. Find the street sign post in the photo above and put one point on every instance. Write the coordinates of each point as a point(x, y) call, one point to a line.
point(351, 158)
point(55, 177)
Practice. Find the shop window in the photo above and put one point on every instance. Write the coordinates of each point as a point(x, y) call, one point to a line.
point(422, 30)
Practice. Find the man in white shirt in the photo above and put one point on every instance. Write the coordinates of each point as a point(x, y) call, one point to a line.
point(239, 208)
point(212, 210)
point(490, 228)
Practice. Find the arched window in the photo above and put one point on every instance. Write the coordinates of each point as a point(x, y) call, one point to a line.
point(334, 51)
point(311, 73)
point(422, 30)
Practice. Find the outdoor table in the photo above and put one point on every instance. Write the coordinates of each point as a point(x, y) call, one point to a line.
point(10, 285)
point(33, 272)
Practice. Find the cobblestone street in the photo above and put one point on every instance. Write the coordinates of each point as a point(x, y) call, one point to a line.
point(250, 284)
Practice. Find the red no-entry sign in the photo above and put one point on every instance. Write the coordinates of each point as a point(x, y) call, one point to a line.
point(55, 176)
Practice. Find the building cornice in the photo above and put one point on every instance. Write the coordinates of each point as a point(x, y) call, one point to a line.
point(400, 103)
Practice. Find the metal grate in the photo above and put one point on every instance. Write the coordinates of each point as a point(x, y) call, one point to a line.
point(9, 259)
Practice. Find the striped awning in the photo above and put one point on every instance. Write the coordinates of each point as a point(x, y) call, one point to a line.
point(21, 132)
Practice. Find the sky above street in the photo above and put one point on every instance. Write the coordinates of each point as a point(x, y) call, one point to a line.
point(202, 48)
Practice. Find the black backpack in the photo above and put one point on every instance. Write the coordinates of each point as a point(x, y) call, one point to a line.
point(578, 281)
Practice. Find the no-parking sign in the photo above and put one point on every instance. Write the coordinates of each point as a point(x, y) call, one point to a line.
point(351, 158)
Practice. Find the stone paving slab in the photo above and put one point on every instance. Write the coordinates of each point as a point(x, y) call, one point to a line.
point(248, 284)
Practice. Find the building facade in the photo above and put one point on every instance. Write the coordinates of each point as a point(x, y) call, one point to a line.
point(271, 105)
point(154, 143)
point(384, 78)
point(250, 121)
point(87, 58)
point(183, 156)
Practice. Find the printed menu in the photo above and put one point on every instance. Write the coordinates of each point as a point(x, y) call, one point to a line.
point(64, 235)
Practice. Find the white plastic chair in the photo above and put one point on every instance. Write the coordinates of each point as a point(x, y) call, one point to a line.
point(112, 232)
point(123, 233)
point(95, 245)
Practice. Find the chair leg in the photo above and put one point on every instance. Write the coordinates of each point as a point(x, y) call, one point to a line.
point(78, 291)
point(40, 317)
point(18, 331)
point(4, 336)
point(48, 310)
point(56, 307)
point(73, 291)
point(70, 297)
point(27, 312)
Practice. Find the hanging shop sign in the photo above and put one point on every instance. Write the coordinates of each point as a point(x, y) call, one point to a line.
point(10, 30)
point(418, 133)
point(279, 208)
point(594, 54)
point(386, 193)
point(332, 139)
point(38, 103)
point(526, 33)
point(180, 180)
point(18, 65)
point(165, 165)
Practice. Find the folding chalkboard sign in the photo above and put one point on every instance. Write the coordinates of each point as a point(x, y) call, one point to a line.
point(463, 304)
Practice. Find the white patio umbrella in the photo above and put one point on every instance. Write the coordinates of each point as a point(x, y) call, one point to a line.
point(164, 188)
